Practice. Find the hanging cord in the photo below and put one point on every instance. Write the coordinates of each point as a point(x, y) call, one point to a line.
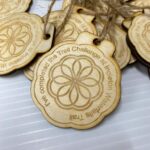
point(109, 9)
point(66, 17)
point(47, 17)
point(111, 18)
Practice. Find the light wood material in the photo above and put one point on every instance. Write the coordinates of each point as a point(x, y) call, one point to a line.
point(126, 24)
point(66, 3)
point(147, 11)
point(76, 24)
point(77, 84)
point(21, 38)
point(141, 3)
point(122, 53)
point(8, 7)
point(139, 36)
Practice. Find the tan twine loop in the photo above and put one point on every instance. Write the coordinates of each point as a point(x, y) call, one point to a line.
point(68, 11)
point(65, 19)
point(47, 16)
point(113, 8)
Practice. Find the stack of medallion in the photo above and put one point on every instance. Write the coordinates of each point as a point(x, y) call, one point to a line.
point(77, 82)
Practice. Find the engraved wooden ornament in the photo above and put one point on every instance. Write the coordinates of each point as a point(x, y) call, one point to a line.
point(8, 7)
point(76, 24)
point(139, 37)
point(77, 84)
point(21, 38)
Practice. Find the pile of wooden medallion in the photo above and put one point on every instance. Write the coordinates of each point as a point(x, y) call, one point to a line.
point(76, 75)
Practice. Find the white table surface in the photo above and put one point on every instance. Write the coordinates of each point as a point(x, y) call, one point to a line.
point(22, 126)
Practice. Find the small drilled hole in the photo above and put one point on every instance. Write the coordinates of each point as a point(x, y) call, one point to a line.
point(94, 21)
point(47, 36)
point(79, 10)
point(96, 41)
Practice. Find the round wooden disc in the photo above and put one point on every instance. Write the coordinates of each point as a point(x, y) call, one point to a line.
point(21, 38)
point(74, 26)
point(77, 85)
point(139, 36)
point(8, 7)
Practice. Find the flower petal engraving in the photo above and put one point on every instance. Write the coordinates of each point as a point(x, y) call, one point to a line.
point(76, 68)
point(14, 39)
point(84, 92)
point(63, 90)
point(61, 80)
point(75, 82)
point(85, 72)
point(66, 70)
point(89, 82)
point(12, 49)
point(73, 95)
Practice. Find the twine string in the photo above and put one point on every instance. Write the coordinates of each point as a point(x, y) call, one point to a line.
point(47, 17)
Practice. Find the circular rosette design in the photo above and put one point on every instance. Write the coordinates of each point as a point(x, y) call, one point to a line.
point(8, 5)
point(75, 82)
point(14, 39)
point(70, 32)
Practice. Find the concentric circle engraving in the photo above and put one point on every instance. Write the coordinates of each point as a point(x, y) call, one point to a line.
point(14, 39)
point(21, 38)
point(78, 82)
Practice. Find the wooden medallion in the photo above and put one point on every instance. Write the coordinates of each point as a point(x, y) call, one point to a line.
point(77, 84)
point(122, 53)
point(139, 36)
point(74, 26)
point(8, 7)
point(21, 38)
point(118, 36)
